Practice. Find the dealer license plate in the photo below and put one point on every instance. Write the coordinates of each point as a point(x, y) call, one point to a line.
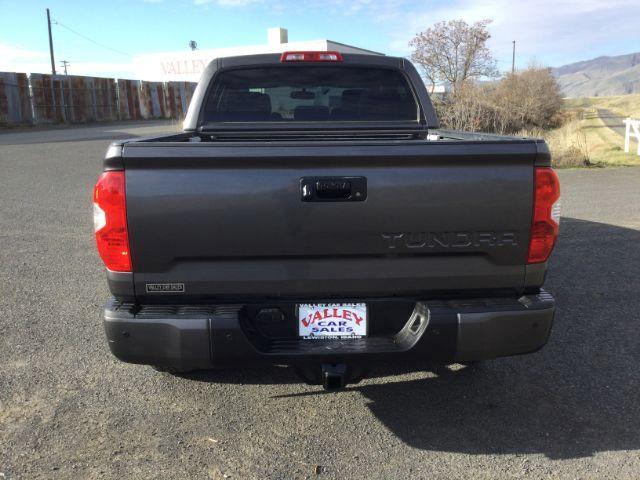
point(320, 321)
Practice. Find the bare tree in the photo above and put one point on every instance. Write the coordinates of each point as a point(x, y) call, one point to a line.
point(454, 52)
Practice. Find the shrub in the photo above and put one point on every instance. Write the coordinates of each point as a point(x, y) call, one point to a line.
point(522, 100)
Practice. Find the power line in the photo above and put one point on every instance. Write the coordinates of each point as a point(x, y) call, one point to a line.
point(56, 22)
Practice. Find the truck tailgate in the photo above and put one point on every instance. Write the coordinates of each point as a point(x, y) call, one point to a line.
point(228, 220)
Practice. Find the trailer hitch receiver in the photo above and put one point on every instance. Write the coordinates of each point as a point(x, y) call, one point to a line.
point(333, 375)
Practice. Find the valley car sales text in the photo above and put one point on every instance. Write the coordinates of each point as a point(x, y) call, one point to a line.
point(332, 320)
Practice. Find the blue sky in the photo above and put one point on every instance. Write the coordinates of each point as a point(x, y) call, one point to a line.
point(548, 32)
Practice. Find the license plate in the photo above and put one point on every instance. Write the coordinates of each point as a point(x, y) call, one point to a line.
point(320, 321)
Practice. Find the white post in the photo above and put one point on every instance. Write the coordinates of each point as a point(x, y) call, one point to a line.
point(632, 130)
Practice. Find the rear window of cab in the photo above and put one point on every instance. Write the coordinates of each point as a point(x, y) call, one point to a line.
point(287, 93)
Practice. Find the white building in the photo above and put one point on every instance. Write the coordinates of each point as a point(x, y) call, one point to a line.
point(189, 65)
point(439, 90)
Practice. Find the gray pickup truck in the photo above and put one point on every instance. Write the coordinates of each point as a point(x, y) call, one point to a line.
point(311, 214)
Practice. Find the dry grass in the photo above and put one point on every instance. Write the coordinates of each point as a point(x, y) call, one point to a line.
point(568, 144)
point(605, 146)
point(584, 140)
point(625, 105)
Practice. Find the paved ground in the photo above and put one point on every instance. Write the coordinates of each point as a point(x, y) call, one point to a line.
point(68, 409)
point(105, 131)
point(613, 121)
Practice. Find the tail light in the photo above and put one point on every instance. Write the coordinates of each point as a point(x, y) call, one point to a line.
point(110, 221)
point(546, 215)
point(311, 57)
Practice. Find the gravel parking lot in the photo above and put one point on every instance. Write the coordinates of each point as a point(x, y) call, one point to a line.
point(68, 409)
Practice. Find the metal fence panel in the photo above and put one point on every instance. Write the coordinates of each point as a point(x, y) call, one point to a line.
point(78, 99)
point(91, 99)
point(105, 93)
point(15, 101)
point(47, 94)
point(45, 99)
point(129, 99)
point(73, 99)
point(152, 100)
point(178, 97)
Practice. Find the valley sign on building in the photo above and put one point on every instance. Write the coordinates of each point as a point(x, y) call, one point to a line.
point(189, 65)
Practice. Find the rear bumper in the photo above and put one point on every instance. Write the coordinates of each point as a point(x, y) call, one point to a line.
point(209, 336)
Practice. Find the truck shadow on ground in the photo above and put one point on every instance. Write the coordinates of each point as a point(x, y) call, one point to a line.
point(576, 397)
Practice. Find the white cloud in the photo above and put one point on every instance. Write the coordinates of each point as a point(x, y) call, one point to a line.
point(17, 59)
point(11, 53)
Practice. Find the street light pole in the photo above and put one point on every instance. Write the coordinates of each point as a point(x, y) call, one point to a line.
point(513, 58)
point(53, 62)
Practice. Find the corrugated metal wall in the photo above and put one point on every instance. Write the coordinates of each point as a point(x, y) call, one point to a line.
point(153, 100)
point(15, 101)
point(46, 99)
point(179, 95)
point(129, 99)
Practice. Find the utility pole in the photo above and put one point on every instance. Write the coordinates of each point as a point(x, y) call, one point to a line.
point(65, 64)
point(513, 58)
point(53, 62)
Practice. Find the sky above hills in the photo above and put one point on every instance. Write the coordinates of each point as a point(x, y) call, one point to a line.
point(102, 38)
